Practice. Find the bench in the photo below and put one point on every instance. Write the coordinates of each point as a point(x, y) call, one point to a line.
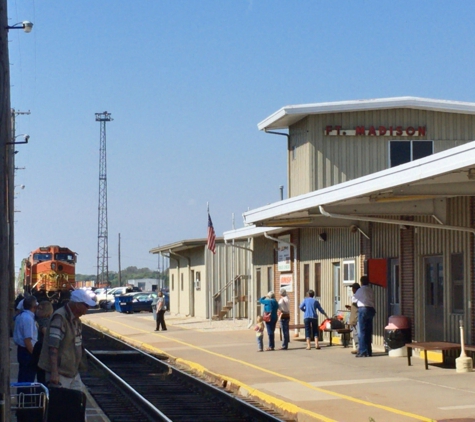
point(345, 332)
point(433, 345)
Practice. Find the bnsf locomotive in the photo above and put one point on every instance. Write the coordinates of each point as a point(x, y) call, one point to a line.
point(49, 273)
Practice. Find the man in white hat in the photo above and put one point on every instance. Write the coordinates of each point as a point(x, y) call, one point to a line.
point(62, 347)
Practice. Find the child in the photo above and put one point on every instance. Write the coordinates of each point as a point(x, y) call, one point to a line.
point(259, 329)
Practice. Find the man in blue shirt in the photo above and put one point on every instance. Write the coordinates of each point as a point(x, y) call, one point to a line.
point(310, 306)
point(25, 335)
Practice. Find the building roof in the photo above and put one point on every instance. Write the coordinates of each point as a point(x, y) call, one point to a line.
point(249, 231)
point(183, 244)
point(291, 114)
point(414, 188)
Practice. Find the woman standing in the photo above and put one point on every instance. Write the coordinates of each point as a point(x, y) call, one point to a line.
point(284, 316)
point(309, 306)
point(161, 309)
point(270, 306)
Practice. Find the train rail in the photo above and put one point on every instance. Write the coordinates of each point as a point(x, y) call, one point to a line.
point(129, 384)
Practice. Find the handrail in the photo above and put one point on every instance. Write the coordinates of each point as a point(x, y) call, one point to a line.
point(226, 286)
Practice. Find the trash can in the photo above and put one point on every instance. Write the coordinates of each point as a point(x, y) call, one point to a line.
point(396, 334)
point(123, 304)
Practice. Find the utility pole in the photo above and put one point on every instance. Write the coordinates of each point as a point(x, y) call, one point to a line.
point(120, 281)
point(5, 156)
point(102, 234)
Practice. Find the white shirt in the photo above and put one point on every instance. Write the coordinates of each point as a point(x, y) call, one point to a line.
point(284, 305)
point(364, 296)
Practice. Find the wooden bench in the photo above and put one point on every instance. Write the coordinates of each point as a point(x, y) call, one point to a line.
point(433, 345)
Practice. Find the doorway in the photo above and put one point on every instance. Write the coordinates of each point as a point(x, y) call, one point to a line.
point(336, 287)
point(434, 297)
point(394, 288)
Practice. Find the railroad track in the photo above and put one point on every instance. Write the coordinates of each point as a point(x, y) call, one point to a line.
point(130, 385)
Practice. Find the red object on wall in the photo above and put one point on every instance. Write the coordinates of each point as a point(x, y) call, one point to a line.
point(378, 272)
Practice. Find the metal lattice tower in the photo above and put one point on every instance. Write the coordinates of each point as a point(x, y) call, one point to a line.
point(102, 233)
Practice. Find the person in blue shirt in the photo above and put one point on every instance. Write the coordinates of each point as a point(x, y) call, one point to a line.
point(271, 306)
point(25, 335)
point(310, 306)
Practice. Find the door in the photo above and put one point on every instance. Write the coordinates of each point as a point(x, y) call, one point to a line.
point(336, 287)
point(434, 290)
point(394, 288)
point(258, 289)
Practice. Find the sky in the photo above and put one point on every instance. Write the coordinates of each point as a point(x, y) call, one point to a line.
point(187, 82)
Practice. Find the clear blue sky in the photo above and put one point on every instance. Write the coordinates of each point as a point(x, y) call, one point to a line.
point(186, 83)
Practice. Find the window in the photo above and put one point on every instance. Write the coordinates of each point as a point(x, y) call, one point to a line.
point(306, 278)
point(401, 152)
point(318, 279)
point(456, 277)
point(181, 281)
point(270, 280)
point(348, 272)
point(173, 281)
point(198, 280)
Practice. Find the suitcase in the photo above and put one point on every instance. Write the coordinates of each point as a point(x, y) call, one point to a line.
point(29, 401)
point(66, 405)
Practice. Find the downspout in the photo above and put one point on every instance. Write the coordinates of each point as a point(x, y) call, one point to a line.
point(396, 222)
point(294, 274)
point(190, 304)
point(251, 298)
point(288, 156)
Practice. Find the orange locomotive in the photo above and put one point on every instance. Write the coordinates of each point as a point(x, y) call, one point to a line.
point(49, 273)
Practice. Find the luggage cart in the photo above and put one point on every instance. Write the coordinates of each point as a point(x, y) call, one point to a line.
point(30, 401)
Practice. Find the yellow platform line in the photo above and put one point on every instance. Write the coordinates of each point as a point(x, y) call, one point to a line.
point(261, 395)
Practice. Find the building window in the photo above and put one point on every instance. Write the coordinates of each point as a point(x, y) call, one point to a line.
point(456, 277)
point(348, 272)
point(318, 279)
point(198, 280)
point(270, 280)
point(401, 152)
point(173, 281)
point(181, 281)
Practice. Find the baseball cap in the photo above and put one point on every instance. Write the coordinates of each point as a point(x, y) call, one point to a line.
point(81, 296)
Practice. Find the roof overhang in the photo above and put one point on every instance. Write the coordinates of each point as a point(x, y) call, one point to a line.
point(183, 245)
point(289, 115)
point(249, 232)
point(420, 187)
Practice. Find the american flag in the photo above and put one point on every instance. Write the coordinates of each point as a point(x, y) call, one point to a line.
point(211, 236)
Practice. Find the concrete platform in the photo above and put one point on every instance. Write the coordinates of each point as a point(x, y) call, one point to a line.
point(329, 384)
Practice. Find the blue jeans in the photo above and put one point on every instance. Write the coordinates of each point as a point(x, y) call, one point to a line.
point(260, 342)
point(365, 330)
point(311, 327)
point(26, 369)
point(284, 325)
point(270, 332)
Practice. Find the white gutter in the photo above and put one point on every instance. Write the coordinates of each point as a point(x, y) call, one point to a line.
point(396, 222)
point(294, 274)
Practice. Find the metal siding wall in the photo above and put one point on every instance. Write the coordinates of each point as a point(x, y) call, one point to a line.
point(444, 242)
point(385, 240)
point(300, 171)
point(341, 245)
point(339, 158)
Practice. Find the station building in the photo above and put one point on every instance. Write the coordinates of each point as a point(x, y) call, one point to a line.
point(382, 187)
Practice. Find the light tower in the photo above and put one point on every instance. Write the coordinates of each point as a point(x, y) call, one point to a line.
point(102, 232)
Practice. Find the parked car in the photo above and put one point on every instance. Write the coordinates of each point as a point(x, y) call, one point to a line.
point(143, 301)
point(117, 291)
